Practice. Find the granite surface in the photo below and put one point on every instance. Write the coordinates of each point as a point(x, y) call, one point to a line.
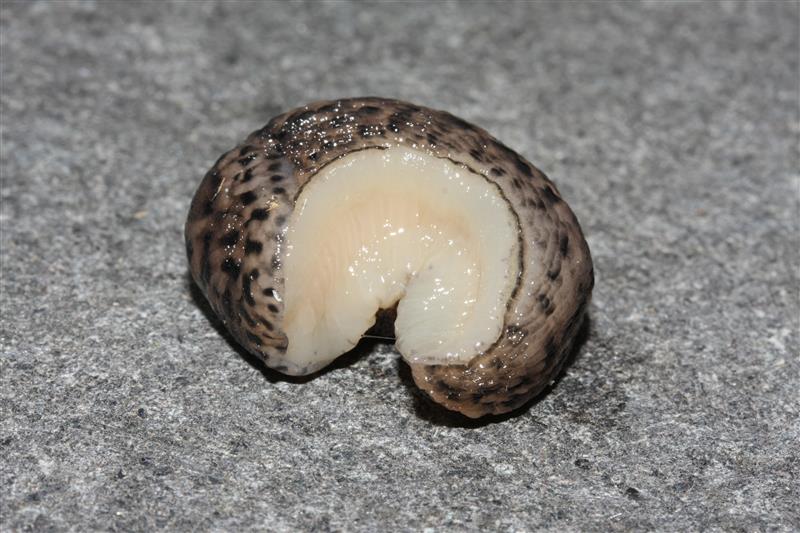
point(672, 130)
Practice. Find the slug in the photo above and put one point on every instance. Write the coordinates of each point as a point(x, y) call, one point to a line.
point(340, 211)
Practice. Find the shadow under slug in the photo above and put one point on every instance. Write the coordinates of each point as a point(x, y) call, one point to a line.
point(362, 349)
point(424, 407)
point(432, 412)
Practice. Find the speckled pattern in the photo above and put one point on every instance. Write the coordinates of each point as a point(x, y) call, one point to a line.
point(670, 128)
point(236, 224)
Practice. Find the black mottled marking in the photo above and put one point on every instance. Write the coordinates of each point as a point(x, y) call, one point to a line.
point(231, 267)
point(247, 318)
point(517, 183)
point(515, 334)
point(281, 348)
point(563, 245)
point(512, 330)
point(246, 160)
point(214, 180)
point(338, 121)
point(476, 154)
point(442, 384)
point(458, 122)
point(497, 171)
point(275, 166)
point(497, 363)
point(267, 323)
point(279, 190)
point(452, 392)
point(276, 178)
point(189, 250)
point(259, 214)
point(247, 291)
point(230, 238)
point(346, 142)
point(394, 128)
point(266, 131)
point(252, 247)
point(433, 140)
point(248, 197)
point(246, 149)
point(507, 154)
point(490, 389)
point(273, 308)
point(276, 152)
point(280, 220)
point(270, 292)
point(403, 116)
point(554, 273)
point(208, 207)
point(535, 202)
point(255, 339)
point(544, 304)
point(364, 131)
point(370, 109)
point(248, 175)
point(300, 116)
point(549, 196)
point(522, 166)
point(275, 262)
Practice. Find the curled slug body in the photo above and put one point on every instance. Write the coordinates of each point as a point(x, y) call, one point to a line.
point(336, 210)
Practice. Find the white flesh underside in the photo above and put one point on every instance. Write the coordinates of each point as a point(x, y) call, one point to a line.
point(378, 226)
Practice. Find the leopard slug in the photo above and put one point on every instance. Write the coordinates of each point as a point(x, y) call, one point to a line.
point(338, 211)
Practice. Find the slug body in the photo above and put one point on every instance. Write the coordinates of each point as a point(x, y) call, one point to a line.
point(340, 209)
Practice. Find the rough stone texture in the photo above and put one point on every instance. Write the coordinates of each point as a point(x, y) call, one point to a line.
point(670, 128)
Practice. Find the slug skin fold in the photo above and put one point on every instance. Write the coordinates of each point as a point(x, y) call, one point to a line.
point(472, 244)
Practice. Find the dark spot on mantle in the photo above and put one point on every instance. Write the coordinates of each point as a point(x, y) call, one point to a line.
point(252, 247)
point(549, 196)
point(230, 238)
point(230, 267)
point(248, 197)
point(259, 214)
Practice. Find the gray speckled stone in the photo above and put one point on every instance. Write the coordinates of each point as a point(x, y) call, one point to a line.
point(672, 130)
